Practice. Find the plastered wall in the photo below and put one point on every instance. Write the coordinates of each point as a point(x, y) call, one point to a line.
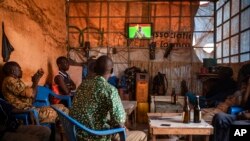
point(37, 31)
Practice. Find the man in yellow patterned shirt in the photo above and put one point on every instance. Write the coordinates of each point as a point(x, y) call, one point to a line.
point(21, 96)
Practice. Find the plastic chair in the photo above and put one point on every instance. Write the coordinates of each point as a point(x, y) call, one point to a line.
point(234, 110)
point(42, 97)
point(26, 117)
point(69, 125)
point(31, 116)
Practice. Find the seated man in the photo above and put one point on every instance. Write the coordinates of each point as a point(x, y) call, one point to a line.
point(65, 84)
point(235, 99)
point(21, 96)
point(98, 105)
point(224, 87)
point(222, 121)
point(10, 130)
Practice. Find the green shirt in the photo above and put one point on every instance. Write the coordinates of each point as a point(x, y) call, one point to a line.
point(97, 105)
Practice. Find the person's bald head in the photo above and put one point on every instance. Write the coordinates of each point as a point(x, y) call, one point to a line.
point(103, 65)
point(13, 69)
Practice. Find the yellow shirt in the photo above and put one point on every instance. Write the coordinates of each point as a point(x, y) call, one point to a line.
point(17, 93)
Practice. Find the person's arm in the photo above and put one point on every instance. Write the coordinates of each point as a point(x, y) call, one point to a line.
point(245, 115)
point(117, 114)
point(143, 34)
point(35, 80)
point(136, 34)
point(18, 88)
point(60, 82)
point(246, 96)
point(19, 111)
point(72, 85)
point(7, 107)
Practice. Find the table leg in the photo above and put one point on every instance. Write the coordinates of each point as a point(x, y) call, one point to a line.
point(190, 138)
point(127, 122)
point(207, 138)
point(135, 117)
point(153, 137)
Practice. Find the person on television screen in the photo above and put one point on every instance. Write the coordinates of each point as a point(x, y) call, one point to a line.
point(139, 33)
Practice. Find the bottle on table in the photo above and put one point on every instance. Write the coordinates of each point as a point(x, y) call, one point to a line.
point(173, 97)
point(197, 111)
point(186, 111)
point(152, 104)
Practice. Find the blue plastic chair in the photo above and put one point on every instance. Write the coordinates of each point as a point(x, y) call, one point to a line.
point(23, 117)
point(234, 110)
point(26, 117)
point(42, 97)
point(69, 125)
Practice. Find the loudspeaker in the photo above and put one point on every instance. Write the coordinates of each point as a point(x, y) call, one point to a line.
point(152, 47)
point(142, 86)
point(168, 50)
point(87, 48)
point(87, 45)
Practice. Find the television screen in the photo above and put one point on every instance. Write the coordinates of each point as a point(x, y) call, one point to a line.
point(139, 30)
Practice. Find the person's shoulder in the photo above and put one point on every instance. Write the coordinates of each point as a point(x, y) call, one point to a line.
point(104, 84)
point(86, 82)
point(9, 79)
point(99, 79)
point(57, 77)
point(112, 88)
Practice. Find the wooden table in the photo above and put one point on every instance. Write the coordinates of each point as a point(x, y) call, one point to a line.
point(176, 126)
point(130, 108)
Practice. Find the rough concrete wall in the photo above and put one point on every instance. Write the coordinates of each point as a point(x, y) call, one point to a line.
point(37, 31)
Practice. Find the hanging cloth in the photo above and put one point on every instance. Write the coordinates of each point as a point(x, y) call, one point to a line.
point(7, 48)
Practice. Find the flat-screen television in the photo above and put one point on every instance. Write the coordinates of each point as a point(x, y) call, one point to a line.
point(139, 30)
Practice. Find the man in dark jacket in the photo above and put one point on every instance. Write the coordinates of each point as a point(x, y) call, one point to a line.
point(224, 86)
